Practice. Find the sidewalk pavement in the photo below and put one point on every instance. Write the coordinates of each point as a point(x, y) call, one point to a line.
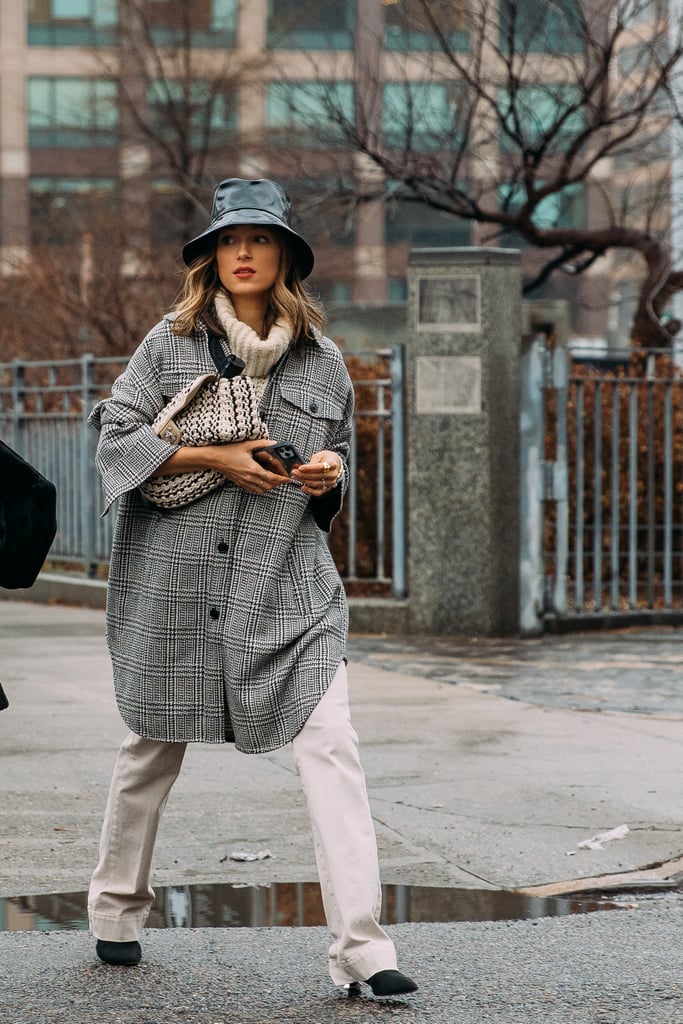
point(488, 763)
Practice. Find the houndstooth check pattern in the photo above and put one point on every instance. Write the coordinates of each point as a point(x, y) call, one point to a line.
point(228, 612)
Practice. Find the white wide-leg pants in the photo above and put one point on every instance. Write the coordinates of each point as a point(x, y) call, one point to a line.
point(327, 760)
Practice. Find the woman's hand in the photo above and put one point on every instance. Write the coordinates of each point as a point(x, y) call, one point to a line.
point(234, 461)
point(319, 475)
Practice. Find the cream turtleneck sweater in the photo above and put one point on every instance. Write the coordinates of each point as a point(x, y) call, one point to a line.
point(259, 354)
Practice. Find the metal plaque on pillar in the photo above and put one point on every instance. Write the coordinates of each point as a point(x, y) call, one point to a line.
point(449, 385)
point(450, 304)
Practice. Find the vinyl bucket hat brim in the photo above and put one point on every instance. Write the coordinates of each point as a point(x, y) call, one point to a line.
point(260, 201)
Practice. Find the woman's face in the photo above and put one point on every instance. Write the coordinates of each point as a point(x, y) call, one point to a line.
point(248, 259)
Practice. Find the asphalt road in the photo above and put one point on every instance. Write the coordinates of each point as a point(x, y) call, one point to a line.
point(488, 764)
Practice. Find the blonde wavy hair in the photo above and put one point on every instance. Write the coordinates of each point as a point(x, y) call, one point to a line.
point(289, 298)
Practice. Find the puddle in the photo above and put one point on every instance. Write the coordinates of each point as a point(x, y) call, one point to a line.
point(291, 905)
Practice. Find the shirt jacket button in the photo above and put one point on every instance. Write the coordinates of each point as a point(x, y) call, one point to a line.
point(222, 547)
point(214, 613)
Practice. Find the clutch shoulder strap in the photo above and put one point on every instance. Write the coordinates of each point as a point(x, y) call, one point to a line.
point(227, 364)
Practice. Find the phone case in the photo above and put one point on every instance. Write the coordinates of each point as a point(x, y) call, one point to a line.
point(283, 455)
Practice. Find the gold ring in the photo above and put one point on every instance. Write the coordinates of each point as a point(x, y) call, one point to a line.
point(326, 468)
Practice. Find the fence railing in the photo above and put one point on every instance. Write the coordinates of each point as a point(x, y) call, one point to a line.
point(613, 521)
point(44, 408)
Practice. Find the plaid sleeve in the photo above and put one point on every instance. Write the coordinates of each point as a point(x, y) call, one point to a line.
point(128, 450)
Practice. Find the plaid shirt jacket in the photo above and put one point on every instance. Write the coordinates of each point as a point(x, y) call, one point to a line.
point(228, 615)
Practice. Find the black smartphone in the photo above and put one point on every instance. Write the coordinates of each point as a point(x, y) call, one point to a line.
point(278, 457)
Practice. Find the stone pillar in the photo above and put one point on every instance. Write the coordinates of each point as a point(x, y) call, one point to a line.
point(463, 372)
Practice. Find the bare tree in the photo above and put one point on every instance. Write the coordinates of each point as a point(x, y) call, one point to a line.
point(544, 122)
point(71, 299)
point(102, 266)
point(178, 96)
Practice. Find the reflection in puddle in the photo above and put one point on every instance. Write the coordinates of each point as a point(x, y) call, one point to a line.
point(290, 904)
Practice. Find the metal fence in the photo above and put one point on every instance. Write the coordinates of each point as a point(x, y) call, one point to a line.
point(44, 408)
point(609, 475)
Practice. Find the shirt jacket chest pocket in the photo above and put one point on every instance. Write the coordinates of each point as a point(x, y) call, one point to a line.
point(307, 417)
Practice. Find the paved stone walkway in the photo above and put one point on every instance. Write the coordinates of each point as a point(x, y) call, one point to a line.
point(634, 670)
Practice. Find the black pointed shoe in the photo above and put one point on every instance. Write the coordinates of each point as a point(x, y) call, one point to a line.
point(119, 954)
point(391, 983)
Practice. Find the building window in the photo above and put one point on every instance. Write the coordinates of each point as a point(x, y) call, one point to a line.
point(198, 116)
point(168, 224)
point(549, 115)
point(72, 22)
point(397, 290)
point(201, 23)
point(541, 26)
point(337, 293)
point(63, 209)
point(412, 221)
point(563, 209)
point(309, 114)
point(206, 23)
point(406, 27)
point(421, 116)
point(311, 24)
point(72, 112)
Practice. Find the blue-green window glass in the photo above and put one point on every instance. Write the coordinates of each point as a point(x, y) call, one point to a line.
point(339, 291)
point(71, 8)
point(421, 116)
point(406, 27)
point(72, 112)
point(541, 26)
point(202, 23)
point(198, 116)
point(224, 16)
point(563, 209)
point(551, 113)
point(397, 290)
point(308, 25)
point(306, 113)
point(72, 22)
point(417, 224)
point(64, 208)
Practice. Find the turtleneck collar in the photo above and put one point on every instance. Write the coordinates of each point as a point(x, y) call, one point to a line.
point(259, 354)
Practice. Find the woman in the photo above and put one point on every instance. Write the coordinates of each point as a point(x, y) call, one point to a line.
point(227, 618)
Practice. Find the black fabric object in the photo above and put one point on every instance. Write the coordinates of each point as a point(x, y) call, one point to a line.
point(28, 519)
point(4, 703)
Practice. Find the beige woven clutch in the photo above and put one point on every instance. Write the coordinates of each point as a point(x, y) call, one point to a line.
point(212, 409)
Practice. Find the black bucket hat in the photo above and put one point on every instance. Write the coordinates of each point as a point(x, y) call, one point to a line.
point(240, 201)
